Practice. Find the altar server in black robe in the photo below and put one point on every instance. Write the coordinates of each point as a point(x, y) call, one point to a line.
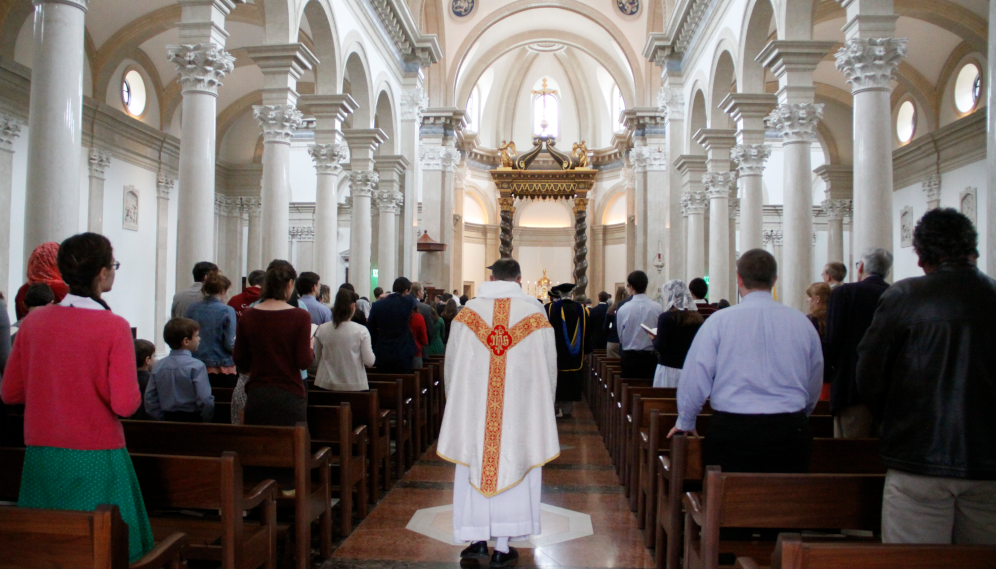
point(573, 335)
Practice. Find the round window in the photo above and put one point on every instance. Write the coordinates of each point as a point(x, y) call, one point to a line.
point(968, 87)
point(906, 122)
point(133, 92)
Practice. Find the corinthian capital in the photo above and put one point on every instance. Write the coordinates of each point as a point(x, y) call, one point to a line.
point(328, 157)
point(438, 157)
point(796, 121)
point(388, 201)
point(718, 184)
point(671, 103)
point(363, 183)
point(932, 187)
point(278, 121)
point(99, 161)
point(201, 66)
point(869, 63)
point(414, 100)
point(750, 158)
point(164, 185)
point(10, 128)
point(253, 206)
point(646, 158)
point(694, 202)
point(836, 209)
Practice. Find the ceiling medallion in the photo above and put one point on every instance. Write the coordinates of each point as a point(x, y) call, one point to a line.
point(462, 8)
point(627, 7)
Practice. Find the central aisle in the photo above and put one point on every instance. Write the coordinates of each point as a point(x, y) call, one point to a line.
point(582, 480)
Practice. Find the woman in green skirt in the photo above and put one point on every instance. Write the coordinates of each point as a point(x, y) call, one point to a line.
point(436, 346)
point(73, 368)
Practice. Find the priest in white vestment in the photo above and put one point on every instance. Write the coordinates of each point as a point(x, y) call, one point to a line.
point(499, 426)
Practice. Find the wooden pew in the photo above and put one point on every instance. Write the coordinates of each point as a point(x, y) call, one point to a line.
point(638, 437)
point(392, 399)
point(333, 427)
point(616, 426)
point(257, 446)
point(426, 380)
point(413, 389)
point(794, 552)
point(69, 539)
point(365, 407)
point(626, 414)
point(782, 501)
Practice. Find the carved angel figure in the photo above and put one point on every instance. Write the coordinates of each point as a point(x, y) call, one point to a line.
point(580, 151)
point(506, 153)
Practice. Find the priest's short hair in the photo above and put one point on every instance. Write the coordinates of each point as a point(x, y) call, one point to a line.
point(505, 270)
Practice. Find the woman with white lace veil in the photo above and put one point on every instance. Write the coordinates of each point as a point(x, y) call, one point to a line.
point(676, 328)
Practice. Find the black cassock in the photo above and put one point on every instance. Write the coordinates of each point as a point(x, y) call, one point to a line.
point(575, 316)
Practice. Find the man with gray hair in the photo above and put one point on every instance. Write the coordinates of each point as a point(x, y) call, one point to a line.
point(849, 314)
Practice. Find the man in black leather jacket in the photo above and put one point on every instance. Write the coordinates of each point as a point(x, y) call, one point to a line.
point(927, 370)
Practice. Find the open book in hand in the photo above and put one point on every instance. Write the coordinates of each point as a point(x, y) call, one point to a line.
point(650, 330)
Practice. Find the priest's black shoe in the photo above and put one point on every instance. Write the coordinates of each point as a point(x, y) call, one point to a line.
point(500, 559)
point(477, 549)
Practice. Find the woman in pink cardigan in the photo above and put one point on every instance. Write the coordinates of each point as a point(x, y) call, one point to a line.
point(73, 395)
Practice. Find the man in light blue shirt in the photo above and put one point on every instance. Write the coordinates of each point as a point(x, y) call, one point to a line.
point(636, 346)
point(760, 364)
point(308, 284)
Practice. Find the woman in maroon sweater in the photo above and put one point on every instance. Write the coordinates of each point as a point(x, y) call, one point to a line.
point(273, 344)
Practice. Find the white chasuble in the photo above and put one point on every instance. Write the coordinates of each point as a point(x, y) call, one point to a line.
point(501, 378)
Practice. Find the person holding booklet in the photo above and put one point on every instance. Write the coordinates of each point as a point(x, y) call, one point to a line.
point(676, 328)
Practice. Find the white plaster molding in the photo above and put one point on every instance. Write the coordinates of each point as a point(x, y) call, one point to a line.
point(277, 121)
point(98, 162)
point(690, 23)
point(10, 128)
point(968, 202)
point(388, 201)
point(302, 233)
point(836, 209)
point(932, 187)
point(718, 184)
point(164, 185)
point(649, 159)
point(414, 46)
point(750, 158)
point(695, 202)
point(442, 158)
point(328, 158)
point(671, 103)
point(363, 183)
point(201, 66)
point(796, 121)
point(253, 206)
point(870, 63)
point(774, 236)
point(906, 226)
point(414, 100)
point(81, 4)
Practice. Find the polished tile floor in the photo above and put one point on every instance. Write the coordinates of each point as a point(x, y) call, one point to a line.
point(582, 481)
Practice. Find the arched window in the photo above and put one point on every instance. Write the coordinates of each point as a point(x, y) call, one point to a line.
point(906, 122)
point(546, 111)
point(474, 111)
point(133, 93)
point(617, 107)
point(968, 88)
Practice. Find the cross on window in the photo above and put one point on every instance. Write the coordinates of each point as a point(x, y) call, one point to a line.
point(546, 117)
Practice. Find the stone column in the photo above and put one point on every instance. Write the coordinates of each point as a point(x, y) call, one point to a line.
point(505, 248)
point(694, 202)
point(650, 167)
point(55, 123)
point(734, 205)
point(231, 256)
point(439, 158)
point(254, 253)
point(596, 253)
point(10, 128)
point(869, 60)
point(932, 188)
point(836, 211)
point(328, 153)
point(363, 183)
point(390, 199)
point(164, 186)
point(748, 110)
point(413, 102)
point(869, 65)
point(99, 161)
point(220, 235)
point(460, 176)
point(491, 243)
point(581, 248)
point(629, 179)
point(718, 182)
point(796, 117)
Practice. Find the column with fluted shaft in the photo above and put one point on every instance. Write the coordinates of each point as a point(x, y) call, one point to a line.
point(836, 211)
point(99, 161)
point(869, 60)
point(10, 128)
point(363, 182)
point(390, 170)
point(796, 119)
point(164, 186)
point(55, 117)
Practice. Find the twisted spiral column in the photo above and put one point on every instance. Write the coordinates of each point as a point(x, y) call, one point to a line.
point(580, 248)
point(505, 248)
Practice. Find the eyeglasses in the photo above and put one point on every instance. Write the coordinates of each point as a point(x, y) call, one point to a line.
point(115, 265)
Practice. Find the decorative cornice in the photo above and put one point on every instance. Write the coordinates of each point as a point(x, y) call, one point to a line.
point(442, 158)
point(201, 66)
point(363, 183)
point(695, 202)
point(329, 158)
point(164, 185)
point(278, 121)
point(301, 233)
point(99, 161)
point(414, 46)
point(253, 206)
point(648, 159)
point(796, 121)
point(414, 101)
point(10, 128)
point(932, 187)
point(750, 158)
point(836, 209)
point(870, 63)
point(718, 184)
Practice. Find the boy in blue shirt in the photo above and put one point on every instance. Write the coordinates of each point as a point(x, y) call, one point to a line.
point(179, 389)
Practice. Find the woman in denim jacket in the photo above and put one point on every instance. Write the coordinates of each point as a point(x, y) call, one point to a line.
point(217, 322)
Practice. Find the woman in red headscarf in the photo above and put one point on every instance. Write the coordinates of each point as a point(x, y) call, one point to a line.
point(42, 268)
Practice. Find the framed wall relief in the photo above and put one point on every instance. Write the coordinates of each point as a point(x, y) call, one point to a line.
point(968, 204)
point(628, 7)
point(906, 227)
point(130, 216)
point(462, 8)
